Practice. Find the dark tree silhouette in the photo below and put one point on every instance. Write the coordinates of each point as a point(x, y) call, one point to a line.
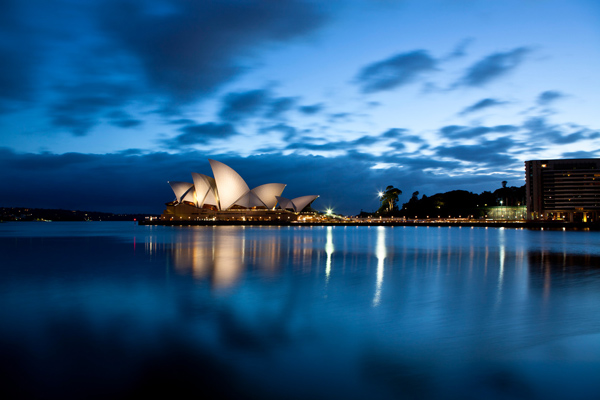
point(389, 199)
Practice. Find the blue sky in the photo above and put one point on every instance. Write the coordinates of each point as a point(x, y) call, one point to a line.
point(102, 102)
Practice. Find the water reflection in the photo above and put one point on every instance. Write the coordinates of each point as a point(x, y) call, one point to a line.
point(329, 251)
point(220, 255)
point(223, 254)
point(502, 251)
point(414, 312)
point(380, 253)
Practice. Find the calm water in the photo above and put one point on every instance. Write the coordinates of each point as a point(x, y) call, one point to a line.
point(109, 310)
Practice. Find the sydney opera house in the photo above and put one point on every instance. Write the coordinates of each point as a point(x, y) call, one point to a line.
point(227, 197)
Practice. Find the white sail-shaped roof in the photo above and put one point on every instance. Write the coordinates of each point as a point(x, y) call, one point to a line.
point(212, 198)
point(285, 203)
point(250, 200)
point(205, 188)
point(230, 185)
point(268, 193)
point(300, 203)
point(181, 189)
point(228, 188)
point(190, 196)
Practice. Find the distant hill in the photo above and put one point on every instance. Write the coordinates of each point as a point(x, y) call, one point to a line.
point(46, 214)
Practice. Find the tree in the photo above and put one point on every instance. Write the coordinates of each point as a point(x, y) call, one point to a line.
point(389, 199)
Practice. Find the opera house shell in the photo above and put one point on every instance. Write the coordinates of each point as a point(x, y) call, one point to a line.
point(227, 195)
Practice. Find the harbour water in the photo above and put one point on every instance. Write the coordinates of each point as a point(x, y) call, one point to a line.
point(117, 310)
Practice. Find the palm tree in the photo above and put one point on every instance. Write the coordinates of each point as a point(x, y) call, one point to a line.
point(389, 199)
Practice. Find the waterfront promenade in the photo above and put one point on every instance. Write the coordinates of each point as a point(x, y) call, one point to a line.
point(458, 222)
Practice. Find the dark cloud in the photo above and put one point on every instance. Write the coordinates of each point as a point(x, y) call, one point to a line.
point(493, 67)
point(402, 135)
point(395, 71)
point(289, 132)
point(488, 153)
point(581, 154)
point(240, 105)
point(280, 106)
point(340, 117)
point(539, 128)
point(81, 107)
point(468, 132)
point(461, 49)
point(187, 49)
point(342, 145)
point(16, 78)
point(200, 134)
point(311, 109)
point(570, 138)
point(182, 121)
point(138, 182)
point(19, 56)
point(549, 96)
point(394, 133)
point(480, 105)
point(123, 119)
point(166, 52)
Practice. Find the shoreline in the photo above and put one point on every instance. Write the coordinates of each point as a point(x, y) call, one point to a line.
point(539, 225)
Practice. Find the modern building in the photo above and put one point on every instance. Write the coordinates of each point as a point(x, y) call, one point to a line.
point(227, 197)
point(563, 189)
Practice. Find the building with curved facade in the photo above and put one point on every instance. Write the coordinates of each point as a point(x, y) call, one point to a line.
point(227, 196)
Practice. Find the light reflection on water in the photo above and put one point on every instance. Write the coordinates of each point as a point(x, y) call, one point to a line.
point(351, 312)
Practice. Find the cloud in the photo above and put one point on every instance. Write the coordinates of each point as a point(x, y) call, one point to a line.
point(188, 49)
point(549, 96)
point(280, 106)
point(581, 154)
point(182, 121)
point(19, 56)
point(138, 182)
point(461, 49)
point(83, 106)
point(289, 132)
point(240, 105)
point(539, 128)
point(311, 109)
point(492, 67)
point(468, 132)
point(167, 53)
point(123, 120)
point(200, 134)
point(402, 135)
point(395, 71)
point(480, 105)
point(340, 117)
point(488, 153)
point(342, 145)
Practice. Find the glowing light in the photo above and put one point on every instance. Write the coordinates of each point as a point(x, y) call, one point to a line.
point(380, 253)
point(380, 194)
point(329, 211)
point(329, 251)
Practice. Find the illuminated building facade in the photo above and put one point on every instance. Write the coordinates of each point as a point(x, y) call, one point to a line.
point(227, 197)
point(563, 189)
